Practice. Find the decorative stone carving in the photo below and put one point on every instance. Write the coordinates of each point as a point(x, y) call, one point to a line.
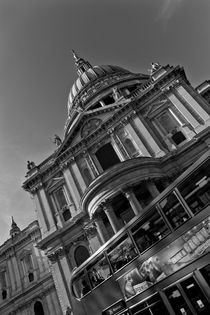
point(30, 165)
point(90, 126)
point(90, 229)
point(154, 67)
point(56, 255)
point(57, 140)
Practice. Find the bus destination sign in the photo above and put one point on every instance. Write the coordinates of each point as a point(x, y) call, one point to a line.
point(116, 308)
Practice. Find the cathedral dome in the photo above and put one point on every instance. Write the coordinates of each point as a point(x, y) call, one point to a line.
point(92, 74)
point(91, 81)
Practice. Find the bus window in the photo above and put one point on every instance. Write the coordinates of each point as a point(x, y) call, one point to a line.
point(149, 231)
point(121, 252)
point(81, 285)
point(173, 210)
point(99, 271)
point(196, 189)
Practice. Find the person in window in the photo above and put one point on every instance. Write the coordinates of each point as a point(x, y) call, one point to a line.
point(128, 287)
point(96, 277)
point(85, 288)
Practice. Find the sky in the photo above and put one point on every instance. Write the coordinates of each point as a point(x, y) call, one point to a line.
point(37, 69)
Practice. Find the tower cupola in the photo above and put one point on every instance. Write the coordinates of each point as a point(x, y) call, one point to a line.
point(14, 228)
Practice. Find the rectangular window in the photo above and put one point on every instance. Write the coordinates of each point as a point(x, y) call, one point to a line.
point(173, 210)
point(121, 252)
point(98, 271)
point(150, 230)
point(60, 197)
point(196, 188)
point(81, 285)
point(3, 279)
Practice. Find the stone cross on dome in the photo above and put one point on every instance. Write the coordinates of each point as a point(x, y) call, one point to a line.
point(81, 64)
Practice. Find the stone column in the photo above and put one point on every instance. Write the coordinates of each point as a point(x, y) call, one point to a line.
point(137, 140)
point(72, 187)
point(133, 201)
point(196, 107)
point(61, 276)
point(78, 175)
point(152, 189)
point(148, 137)
point(101, 229)
point(47, 209)
point(183, 110)
point(108, 209)
point(41, 215)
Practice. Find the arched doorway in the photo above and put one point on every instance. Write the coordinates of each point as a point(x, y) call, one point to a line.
point(81, 254)
point(38, 308)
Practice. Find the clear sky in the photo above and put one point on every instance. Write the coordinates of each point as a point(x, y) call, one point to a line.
point(37, 69)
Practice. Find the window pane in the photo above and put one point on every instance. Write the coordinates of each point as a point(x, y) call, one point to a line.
point(99, 271)
point(60, 197)
point(81, 285)
point(168, 121)
point(196, 189)
point(196, 296)
point(205, 271)
point(121, 253)
point(173, 210)
point(150, 230)
point(66, 215)
point(177, 301)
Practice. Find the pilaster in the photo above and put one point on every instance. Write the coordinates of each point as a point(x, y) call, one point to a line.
point(61, 275)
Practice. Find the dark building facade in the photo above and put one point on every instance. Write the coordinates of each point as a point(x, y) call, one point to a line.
point(127, 137)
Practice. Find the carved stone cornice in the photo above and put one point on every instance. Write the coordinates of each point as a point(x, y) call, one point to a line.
point(56, 255)
point(90, 229)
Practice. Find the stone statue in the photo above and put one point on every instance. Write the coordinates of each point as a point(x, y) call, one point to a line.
point(57, 140)
point(30, 165)
point(155, 66)
point(116, 93)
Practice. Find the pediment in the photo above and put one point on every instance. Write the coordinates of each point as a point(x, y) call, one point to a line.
point(52, 183)
point(152, 108)
point(88, 121)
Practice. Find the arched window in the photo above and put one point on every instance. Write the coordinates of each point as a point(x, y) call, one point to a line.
point(38, 308)
point(81, 254)
point(31, 276)
point(107, 156)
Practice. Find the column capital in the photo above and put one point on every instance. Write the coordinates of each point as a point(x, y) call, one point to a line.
point(56, 254)
point(90, 229)
point(127, 191)
point(106, 205)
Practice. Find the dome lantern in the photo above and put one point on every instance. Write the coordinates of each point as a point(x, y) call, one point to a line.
point(81, 64)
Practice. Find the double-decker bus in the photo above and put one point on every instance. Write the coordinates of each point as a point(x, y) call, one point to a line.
point(159, 262)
